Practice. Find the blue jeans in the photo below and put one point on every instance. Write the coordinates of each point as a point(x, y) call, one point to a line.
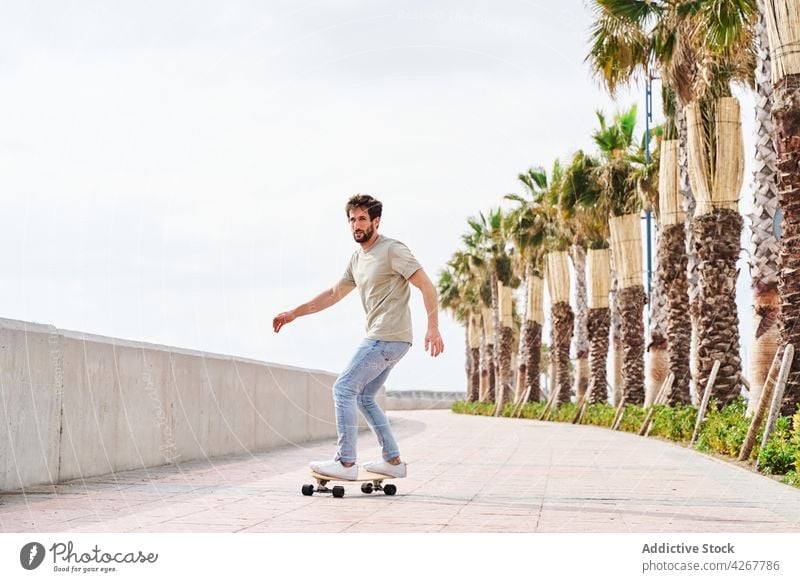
point(358, 384)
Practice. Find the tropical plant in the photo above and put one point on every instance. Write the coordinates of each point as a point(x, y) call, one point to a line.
point(489, 239)
point(763, 221)
point(699, 47)
point(527, 225)
point(588, 222)
point(459, 293)
point(783, 19)
point(614, 177)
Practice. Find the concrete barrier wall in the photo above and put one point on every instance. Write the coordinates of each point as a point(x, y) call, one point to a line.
point(421, 399)
point(76, 405)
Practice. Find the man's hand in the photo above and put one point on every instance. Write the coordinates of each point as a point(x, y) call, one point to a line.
point(282, 319)
point(433, 340)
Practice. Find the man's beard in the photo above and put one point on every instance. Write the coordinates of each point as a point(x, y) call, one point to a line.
point(365, 235)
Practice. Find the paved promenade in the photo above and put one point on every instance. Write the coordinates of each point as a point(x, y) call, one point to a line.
point(466, 474)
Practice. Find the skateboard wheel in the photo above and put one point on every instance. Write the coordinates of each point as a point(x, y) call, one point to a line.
point(308, 490)
point(390, 489)
point(338, 491)
point(366, 487)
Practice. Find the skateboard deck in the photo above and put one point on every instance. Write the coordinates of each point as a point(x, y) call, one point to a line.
point(369, 482)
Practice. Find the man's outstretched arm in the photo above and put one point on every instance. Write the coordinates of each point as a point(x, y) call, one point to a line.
point(433, 339)
point(320, 302)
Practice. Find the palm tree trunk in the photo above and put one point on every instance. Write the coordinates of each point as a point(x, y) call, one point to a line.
point(679, 329)
point(598, 324)
point(491, 393)
point(716, 169)
point(626, 247)
point(616, 340)
point(506, 348)
point(689, 205)
point(488, 354)
point(469, 363)
point(563, 320)
point(717, 244)
point(475, 374)
point(581, 311)
point(506, 340)
point(495, 353)
point(631, 307)
point(532, 337)
point(658, 357)
point(786, 111)
point(484, 386)
point(473, 357)
point(672, 261)
point(764, 243)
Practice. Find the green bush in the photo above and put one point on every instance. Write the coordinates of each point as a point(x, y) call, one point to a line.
point(532, 410)
point(791, 478)
point(632, 418)
point(724, 430)
point(599, 414)
point(674, 422)
point(479, 408)
point(564, 413)
point(778, 457)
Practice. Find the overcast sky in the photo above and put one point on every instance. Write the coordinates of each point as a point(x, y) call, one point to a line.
point(176, 172)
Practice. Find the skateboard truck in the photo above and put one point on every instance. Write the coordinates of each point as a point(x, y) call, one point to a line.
point(369, 482)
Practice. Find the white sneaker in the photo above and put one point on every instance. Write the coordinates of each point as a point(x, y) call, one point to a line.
point(384, 468)
point(335, 469)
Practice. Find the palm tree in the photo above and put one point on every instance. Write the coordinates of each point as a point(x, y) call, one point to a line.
point(615, 179)
point(763, 220)
point(588, 220)
point(783, 19)
point(557, 241)
point(716, 164)
point(489, 239)
point(562, 199)
point(458, 288)
point(479, 266)
point(672, 260)
point(646, 176)
point(543, 237)
point(698, 47)
point(527, 227)
point(631, 40)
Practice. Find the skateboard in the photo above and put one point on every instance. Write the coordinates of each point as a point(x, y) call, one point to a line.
point(369, 482)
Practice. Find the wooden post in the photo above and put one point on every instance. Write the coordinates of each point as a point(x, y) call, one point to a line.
point(618, 414)
point(761, 410)
point(662, 395)
point(664, 399)
point(579, 407)
point(777, 396)
point(499, 387)
point(549, 408)
point(704, 404)
point(518, 409)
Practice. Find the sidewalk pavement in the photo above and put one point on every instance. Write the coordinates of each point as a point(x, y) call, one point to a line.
point(466, 474)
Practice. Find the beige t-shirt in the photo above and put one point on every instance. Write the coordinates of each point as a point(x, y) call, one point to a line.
point(381, 275)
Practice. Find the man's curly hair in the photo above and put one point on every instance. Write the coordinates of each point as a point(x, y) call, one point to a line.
point(367, 202)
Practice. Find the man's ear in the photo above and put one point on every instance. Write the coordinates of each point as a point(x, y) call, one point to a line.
point(377, 221)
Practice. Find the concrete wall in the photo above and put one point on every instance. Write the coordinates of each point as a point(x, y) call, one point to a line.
point(421, 399)
point(76, 405)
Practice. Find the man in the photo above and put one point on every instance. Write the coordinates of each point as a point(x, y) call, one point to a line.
point(381, 269)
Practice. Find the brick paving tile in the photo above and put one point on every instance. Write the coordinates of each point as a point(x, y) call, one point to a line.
point(466, 474)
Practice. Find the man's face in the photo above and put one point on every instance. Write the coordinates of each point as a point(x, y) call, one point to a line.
point(361, 226)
